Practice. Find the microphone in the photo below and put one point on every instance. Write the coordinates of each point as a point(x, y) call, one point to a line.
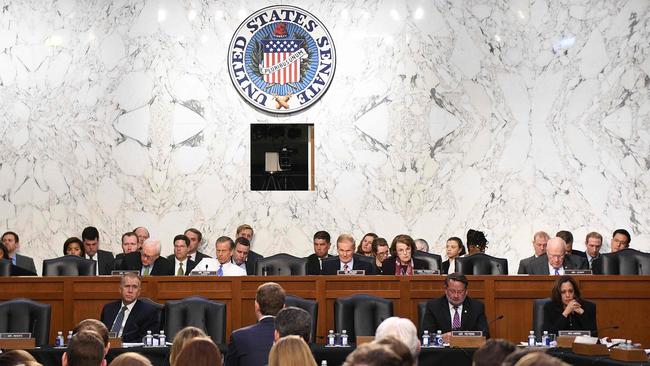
point(495, 319)
point(34, 328)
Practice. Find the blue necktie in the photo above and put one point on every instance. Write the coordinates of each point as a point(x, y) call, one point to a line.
point(557, 271)
point(220, 270)
point(117, 324)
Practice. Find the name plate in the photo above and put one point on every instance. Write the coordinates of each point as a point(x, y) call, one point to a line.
point(203, 273)
point(573, 333)
point(22, 335)
point(354, 272)
point(577, 271)
point(467, 333)
point(426, 272)
point(123, 272)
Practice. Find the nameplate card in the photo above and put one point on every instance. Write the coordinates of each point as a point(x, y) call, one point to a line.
point(577, 272)
point(203, 273)
point(22, 335)
point(426, 272)
point(354, 272)
point(573, 333)
point(467, 333)
point(122, 272)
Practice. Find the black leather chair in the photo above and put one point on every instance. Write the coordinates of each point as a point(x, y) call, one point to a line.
point(198, 312)
point(433, 260)
point(69, 265)
point(282, 264)
point(538, 316)
point(422, 308)
point(24, 315)
point(361, 314)
point(5, 268)
point(309, 306)
point(481, 264)
point(160, 309)
point(624, 262)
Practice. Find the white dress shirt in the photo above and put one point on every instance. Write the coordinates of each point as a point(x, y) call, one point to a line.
point(350, 264)
point(177, 263)
point(551, 270)
point(212, 264)
point(452, 311)
point(96, 262)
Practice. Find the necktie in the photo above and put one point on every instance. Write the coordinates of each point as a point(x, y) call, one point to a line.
point(345, 267)
point(320, 264)
point(117, 324)
point(557, 271)
point(220, 270)
point(180, 271)
point(146, 271)
point(456, 323)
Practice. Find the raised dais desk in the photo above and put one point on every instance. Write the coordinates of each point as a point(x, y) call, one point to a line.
point(621, 300)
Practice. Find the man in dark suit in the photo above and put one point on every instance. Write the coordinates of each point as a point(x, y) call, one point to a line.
point(568, 239)
point(346, 260)
point(246, 231)
point(539, 245)
point(12, 243)
point(321, 250)
point(593, 243)
point(621, 239)
point(196, 238)
point(180, 260)
point(240, 256)
point(148, 261)
point(129, 317)
point(455, 310)
point(555, 261)
point(129, 245)
point(250, 346)
point(104, 259)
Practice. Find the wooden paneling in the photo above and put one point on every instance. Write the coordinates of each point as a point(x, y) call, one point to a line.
point(621, 300)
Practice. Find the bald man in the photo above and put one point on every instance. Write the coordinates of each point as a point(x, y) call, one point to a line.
point(556, 260)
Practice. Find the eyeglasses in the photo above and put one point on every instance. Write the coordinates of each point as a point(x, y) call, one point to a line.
point(555, 256)
point(382, 254)
point(455, 292)
point(405, 250)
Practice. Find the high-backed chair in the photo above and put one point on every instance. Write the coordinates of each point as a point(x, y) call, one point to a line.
point(538, 316)
point(5, 268)
point(422, 308)
point(198, 312)
point(309, 306)
point(624, 262)
point(24, 315)
point(69, 265)
point(481, 264)
point(433, 260)
point(361, 314)
point(160, 312)
point(282, 264)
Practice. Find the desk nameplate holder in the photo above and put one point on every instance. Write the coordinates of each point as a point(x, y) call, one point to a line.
point(578, 272)
point(466, 339)
point(203, 273)
point(565, 338)
point(17, 341)
point(116, 342)
point(628, 355)
point(590, 349)
point(354, 272)
point(123, 272)
point(419, 272)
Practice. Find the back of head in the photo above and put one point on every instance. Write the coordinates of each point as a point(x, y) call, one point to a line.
point(399, 348)
point(539, 359)
point(493, 352)
point(199, 352)
point(291, 351)
point(131, 359)
point(373, 354)
point(17, 357)
point(402, 329)
point(86, 348)
point(293, 321)
point(270, 298)
point(182, 337)
point(95, 326)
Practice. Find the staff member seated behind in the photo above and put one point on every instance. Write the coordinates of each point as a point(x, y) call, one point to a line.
point(567, 310)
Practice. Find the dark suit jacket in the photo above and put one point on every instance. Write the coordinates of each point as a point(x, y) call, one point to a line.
point(189, 265)
point(330, 267)
point(105, 261)
point(579, 253)
point(437, 316)
point(388, 266)
point(200, 256)
point(251, 261)
point(539, 266)
point(554, 321)
point(313, 265)
point(250, 346)
point(524, 265)
point(161, 267)
point(25, 262)
point(143, 317)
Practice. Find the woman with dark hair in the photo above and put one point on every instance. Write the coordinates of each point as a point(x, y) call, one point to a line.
point(5, 252)
point(455, 249)
point(476, 241)
point(380, 252)
point(73, 246)
point(402, 262)
point(567, 310)
point(365, 245)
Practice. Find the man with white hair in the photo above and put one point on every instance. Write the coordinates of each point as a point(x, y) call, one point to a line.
point(402, 329)
point(148, 261)
point(422, 245)
point(556, 260)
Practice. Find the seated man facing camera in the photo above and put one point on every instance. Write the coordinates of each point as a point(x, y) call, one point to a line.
point(345, 261)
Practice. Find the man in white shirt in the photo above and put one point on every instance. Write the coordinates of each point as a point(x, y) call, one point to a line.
point(223, 263)
point(183, 265)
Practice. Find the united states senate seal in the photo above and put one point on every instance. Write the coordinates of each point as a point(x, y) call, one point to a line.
point(281, 59)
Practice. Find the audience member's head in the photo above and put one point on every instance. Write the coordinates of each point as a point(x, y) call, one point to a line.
point(73, 246)
point(182, 337)
point(291, 350)
point(131, 359)
point(540, 359)
point(17, 357)
point(515, 356)
point(269, 299)
point(373, 354)
point(97, 327)
point(476, 241)
point(493, 352)
point(399, 348)
point(199, 352)
point(620, 240)
point(402, 329)
point(85, 349)
point(422, 245)
point(293, 321)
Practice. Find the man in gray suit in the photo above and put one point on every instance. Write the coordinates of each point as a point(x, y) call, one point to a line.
point(555, 261)
point(12, 243)
point(539, 245)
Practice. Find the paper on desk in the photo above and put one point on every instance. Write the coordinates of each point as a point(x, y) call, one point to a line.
point(129, 345)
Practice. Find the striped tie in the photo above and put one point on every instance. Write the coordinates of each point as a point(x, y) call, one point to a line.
point(117, 324)
point(456, 323)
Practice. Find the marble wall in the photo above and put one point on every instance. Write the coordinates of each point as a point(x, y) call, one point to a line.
point(509, 117)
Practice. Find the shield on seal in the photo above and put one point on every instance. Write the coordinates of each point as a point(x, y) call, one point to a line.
point(281, 57)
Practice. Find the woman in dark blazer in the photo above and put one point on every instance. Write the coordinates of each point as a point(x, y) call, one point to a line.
point(567, 310)
point(455, 249)
point(401, 262)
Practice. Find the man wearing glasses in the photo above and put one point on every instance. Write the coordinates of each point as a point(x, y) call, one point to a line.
point(148, 261)
point(455, 310)
point(555, 261)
